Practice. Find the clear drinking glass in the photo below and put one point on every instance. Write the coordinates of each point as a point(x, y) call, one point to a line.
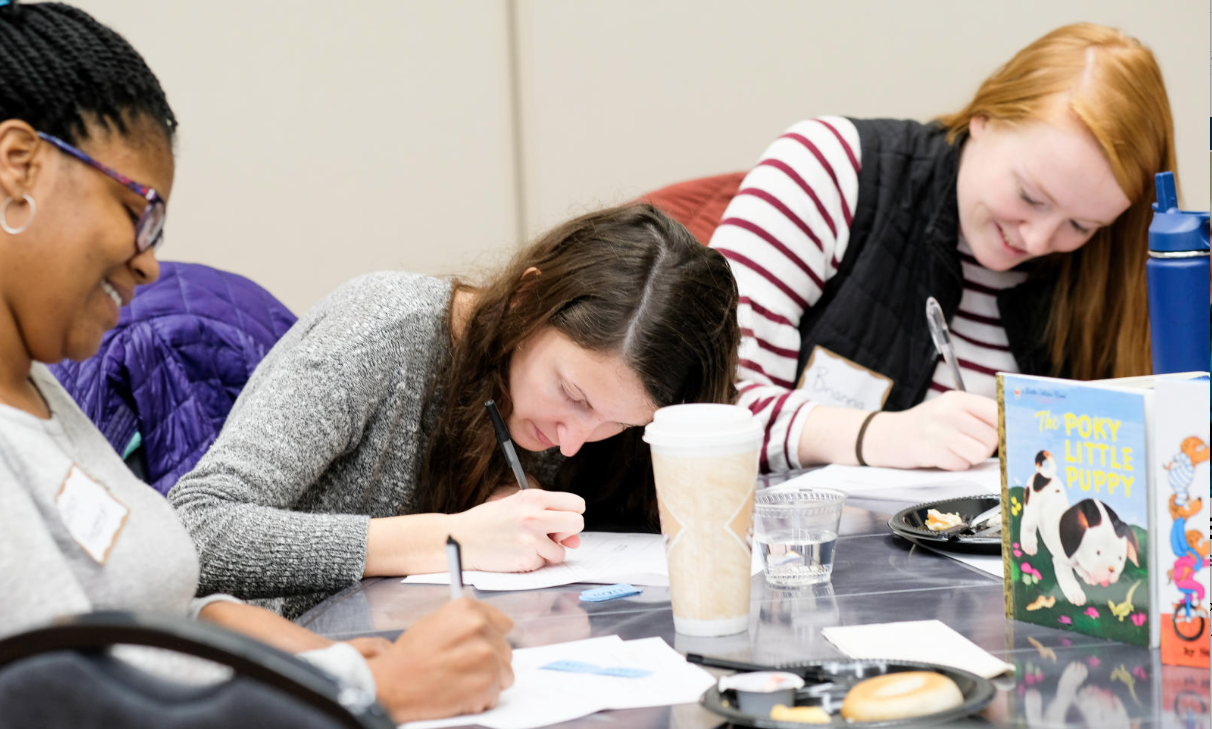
point(795, 531)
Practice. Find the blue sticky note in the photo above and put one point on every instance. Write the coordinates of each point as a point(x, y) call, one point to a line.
point(579, 667)
point(609, 592)
point(623, 672)
point(571, 667)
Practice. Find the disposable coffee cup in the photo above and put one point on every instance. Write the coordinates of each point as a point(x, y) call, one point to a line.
point(705, 464)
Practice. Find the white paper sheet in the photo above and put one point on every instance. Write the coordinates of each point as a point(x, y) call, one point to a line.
point(541, 697)
point(988, 563)
point(927, 641)
point(604, 558)
point(985, 477)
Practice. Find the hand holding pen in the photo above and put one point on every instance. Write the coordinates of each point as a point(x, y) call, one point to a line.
point(456, 660)
point(521, 532)
point(511, 456)
point(954, 430)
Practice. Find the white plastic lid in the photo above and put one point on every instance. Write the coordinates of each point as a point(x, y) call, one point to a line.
point(702, 424)
point(762, 681)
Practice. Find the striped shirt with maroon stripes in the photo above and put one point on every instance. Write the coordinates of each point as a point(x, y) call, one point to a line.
point(784, 235)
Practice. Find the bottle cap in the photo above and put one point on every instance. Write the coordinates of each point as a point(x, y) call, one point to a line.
point(1174, 230)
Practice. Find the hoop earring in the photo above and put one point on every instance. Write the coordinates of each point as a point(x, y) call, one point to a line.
point(33, 210)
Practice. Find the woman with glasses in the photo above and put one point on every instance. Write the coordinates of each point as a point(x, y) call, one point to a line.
point(77, 531)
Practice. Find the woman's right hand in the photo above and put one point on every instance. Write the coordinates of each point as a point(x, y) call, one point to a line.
point(521, 532)
point(453, 661)
point(953, 431)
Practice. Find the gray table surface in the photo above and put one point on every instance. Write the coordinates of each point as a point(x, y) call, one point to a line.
point(1063, 679)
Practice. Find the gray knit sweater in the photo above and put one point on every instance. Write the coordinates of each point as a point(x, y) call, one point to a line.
point(329, 431)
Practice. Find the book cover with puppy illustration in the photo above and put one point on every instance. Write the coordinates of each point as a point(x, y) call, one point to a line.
point(1075, 493)
point(1181, 508)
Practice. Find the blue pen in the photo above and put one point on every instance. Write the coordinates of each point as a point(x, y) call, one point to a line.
point(942, 339)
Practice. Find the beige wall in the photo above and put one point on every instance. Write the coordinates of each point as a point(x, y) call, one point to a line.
point(320, 140)
point(662, 91)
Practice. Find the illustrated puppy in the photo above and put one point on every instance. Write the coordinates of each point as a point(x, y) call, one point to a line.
point(1095, 545)
point(1043, 492)
point(1087, 539)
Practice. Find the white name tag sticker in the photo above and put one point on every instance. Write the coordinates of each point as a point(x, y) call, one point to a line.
point(834, 380)
point(91, 514)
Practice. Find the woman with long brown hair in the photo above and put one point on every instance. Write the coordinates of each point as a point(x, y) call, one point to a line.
point(362, 439)
point(1025, 215)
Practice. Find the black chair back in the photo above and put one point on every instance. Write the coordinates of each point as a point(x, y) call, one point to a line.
point(63, 675)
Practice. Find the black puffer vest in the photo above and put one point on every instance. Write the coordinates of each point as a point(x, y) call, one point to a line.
point(902, 250)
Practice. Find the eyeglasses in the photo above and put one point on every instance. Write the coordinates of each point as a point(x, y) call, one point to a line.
point(149, 228)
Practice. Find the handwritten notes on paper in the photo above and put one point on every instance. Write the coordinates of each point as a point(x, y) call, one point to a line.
point(603, 558)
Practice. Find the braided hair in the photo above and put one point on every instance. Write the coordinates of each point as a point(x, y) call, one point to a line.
point(63, 70)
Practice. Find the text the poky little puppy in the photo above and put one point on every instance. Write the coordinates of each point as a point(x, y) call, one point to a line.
point(1087, 539)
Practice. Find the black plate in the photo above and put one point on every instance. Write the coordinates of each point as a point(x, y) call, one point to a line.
point(977, 691)
point(911, 524)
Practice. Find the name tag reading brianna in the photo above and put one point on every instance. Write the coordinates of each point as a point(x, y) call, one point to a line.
point(834, 380)
point(91, 514)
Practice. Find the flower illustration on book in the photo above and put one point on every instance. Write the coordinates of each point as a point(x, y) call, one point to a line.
point(1140, 673)
point(1092, 611)
point(1093, 661)
point(1065, 620)
point(1031, 575)
point(1015, 507)
point(1138, 619)
point(1017, 551)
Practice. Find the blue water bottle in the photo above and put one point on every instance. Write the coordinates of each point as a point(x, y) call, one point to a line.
point(1178, 283)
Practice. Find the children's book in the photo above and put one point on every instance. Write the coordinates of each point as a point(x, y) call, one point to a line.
point(1078, 504)
point(1180, 503)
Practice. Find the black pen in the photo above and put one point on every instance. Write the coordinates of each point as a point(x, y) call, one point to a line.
point(811, 673)
point(454, 563)
point(506, 444)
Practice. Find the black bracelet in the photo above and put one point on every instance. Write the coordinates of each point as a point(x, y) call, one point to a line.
point(858, 442)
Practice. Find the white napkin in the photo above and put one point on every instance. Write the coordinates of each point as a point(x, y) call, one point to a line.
point(924, 641)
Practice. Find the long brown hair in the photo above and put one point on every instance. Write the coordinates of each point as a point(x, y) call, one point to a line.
point(1099, 323)
point(628, 281)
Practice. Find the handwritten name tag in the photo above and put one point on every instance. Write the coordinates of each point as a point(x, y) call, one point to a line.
point(91, 514)
point(834, 380)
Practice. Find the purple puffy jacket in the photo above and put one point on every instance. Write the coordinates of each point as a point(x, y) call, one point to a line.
point(172, 368)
